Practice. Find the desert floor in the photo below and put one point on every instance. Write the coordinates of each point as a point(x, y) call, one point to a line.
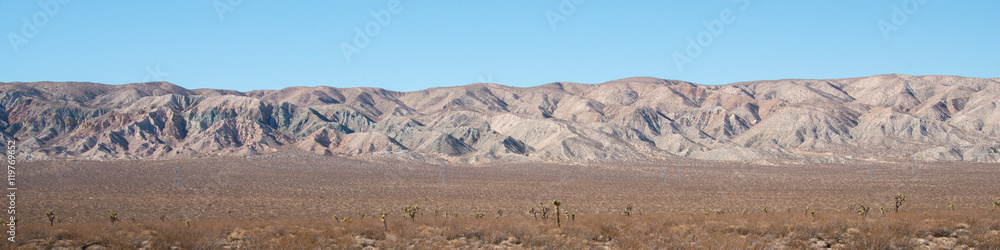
point(289, 200)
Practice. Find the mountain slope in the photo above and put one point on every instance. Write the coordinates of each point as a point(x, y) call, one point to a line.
point(878, 117)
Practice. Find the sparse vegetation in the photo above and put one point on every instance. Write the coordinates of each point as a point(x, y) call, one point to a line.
point(628, 209)
point(909, 230)
point(666, 221)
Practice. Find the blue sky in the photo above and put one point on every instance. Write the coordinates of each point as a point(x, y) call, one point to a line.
point(246, 45)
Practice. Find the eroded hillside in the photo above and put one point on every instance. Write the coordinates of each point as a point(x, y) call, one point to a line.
point(879, 117)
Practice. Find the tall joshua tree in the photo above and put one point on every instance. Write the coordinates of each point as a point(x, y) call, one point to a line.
point(384, 225)
point(557, 203)
point(863, 211)
point(411, 211)
point(900, 198)
point(51, 215)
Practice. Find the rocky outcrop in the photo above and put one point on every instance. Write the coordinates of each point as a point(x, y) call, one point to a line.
point(944, 118)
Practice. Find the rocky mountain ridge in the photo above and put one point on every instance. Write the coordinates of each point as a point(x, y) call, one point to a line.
point(884, 117)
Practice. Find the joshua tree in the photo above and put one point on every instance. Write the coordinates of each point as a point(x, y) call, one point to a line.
point(952, 207)
point(362, 215)
point(162, 217)
point(384, 225)
point(113, 217)
point(881, 210)
point(479, 215)
point(51, 215)
point(807, 211)
point(765, 210)
point(863, 210)
point(900, 198)
point(499, 213)
point(628, 209)
point(411, 211)
point(533, 212)
point(544, 210)
point(557, 203)
point(187, 223)
point(996, 204)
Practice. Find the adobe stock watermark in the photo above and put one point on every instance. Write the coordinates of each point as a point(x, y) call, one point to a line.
point(11, 189)
point(363, 36)
point(224, 6)
point(666, 174)
point(899, 17)
point(488, 78)
point(713, 30)
point(38, 20)
point(566, 8)
point(154, 74)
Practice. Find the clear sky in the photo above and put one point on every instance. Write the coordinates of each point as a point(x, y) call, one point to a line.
point(248, 44)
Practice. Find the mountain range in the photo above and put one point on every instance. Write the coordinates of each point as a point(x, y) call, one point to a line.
point(879, 118)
